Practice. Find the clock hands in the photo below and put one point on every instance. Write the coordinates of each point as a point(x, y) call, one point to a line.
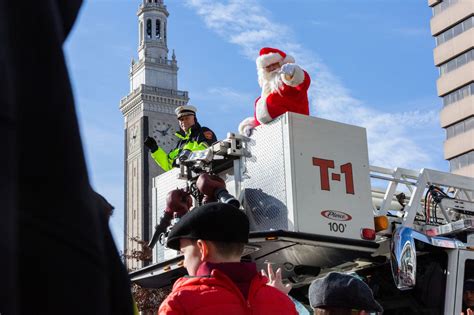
point(164, 132)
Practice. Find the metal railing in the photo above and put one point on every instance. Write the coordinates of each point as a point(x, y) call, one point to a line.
point(161, 91)
point(417, 183)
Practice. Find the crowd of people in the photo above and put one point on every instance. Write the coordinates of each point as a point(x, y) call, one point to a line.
point(212, 239)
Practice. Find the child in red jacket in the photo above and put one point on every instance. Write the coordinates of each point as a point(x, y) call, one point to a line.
point(212, 239)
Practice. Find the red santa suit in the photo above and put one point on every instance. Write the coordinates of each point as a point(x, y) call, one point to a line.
point(287, 95)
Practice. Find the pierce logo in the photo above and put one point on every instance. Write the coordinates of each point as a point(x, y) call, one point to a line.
point(336, 215)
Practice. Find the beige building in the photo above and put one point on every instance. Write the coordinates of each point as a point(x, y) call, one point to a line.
point(452, 26)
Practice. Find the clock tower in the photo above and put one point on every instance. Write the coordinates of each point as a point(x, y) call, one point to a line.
point(148, 110)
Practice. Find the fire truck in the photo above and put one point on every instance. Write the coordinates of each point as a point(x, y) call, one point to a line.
point(315, 205)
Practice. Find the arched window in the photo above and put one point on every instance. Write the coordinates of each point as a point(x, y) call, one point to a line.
point(141, 32)
point(148, 29)
point(158, 29)
point(164, 31)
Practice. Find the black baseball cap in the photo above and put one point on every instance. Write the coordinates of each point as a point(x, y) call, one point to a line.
point(469, 285)
point(342, 291)
point(214, 221)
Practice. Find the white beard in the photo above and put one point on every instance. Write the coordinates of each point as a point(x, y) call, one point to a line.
point(269, 82)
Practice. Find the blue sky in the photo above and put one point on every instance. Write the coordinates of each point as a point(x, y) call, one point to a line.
point(371, 63)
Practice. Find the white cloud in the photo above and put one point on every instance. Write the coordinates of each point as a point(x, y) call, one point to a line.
point(233, 97)
point(249, 30)
point(229, 93)
point(392, 137)
point(229, 100)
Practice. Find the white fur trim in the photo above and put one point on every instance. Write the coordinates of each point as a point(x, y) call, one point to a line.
point(261, 111)
point(298, 77)
point(268, 59)
point(288, 59)
point(246, 124)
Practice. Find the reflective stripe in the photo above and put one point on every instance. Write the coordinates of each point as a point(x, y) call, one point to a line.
point(186, 136)
point(162, 159)
point(180, 136)
point(174, 154)
point(195, 146)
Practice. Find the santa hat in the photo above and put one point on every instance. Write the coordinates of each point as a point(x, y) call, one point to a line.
point(270, 56)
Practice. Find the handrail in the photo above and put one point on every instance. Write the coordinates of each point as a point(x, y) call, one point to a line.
point(154, 89)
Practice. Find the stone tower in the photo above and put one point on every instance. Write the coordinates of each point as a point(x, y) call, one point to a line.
point(148, 110)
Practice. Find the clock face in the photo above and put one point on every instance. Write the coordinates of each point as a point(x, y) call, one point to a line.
point(163, 132)
point(133, 137)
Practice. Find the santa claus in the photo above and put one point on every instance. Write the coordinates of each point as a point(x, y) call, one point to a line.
point(284, 89)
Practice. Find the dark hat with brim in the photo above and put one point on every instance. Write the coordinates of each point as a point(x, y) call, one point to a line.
point(342, 291)
point(469, 285)
point(214, 221)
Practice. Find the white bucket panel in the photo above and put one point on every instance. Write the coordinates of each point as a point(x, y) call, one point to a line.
point(308, 175)
point(330, 172)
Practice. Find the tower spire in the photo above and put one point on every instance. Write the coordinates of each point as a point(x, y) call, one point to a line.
point(152, 20)
point(153, 67)
point(148, 110)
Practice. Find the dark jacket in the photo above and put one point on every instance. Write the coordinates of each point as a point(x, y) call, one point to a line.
point(198, 134)
point(58, 255)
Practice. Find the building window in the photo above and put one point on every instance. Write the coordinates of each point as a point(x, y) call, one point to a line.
point(148, 29)
point(459, 94)
point(461, 161)
point(437, 9)
point(454, 31)
point(457, 62)
point(460, 127)
point(141, 32)
point(164, 31)
point(158, 29)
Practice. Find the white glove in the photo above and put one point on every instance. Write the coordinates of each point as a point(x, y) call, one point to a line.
point(247, 131)
point(288, 69)
point(246, 126)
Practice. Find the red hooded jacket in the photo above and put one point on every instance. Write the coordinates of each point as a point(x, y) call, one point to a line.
point(217, 294)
